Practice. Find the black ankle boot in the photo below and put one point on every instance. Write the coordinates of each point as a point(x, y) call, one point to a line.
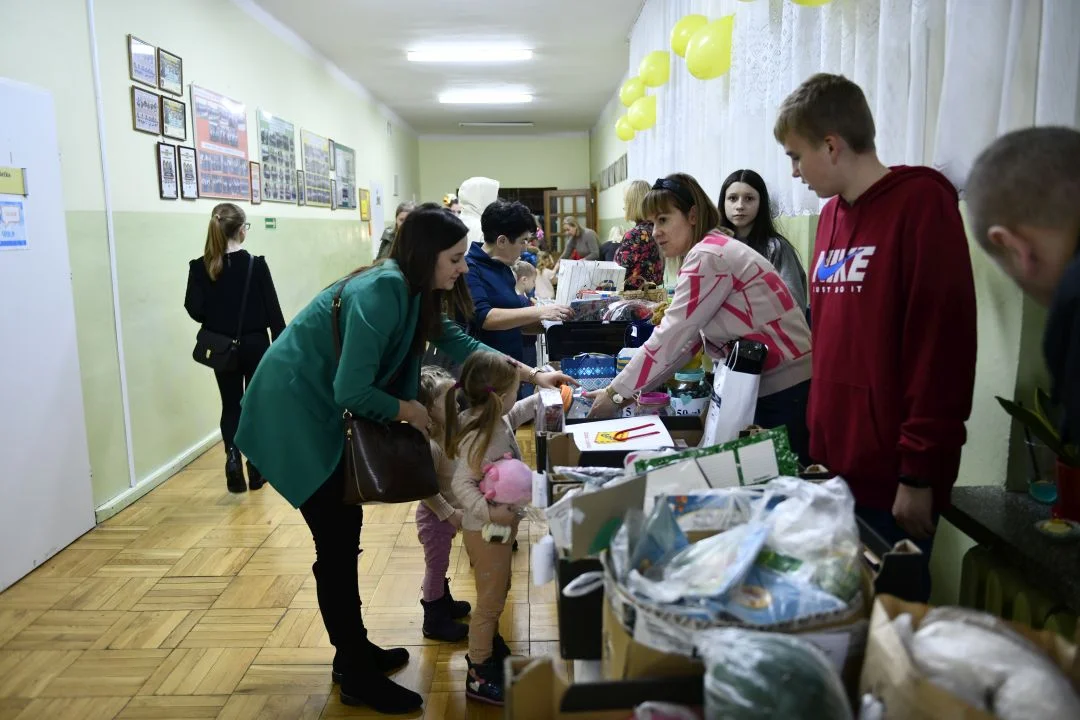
point(458, 608)
point(255, 478)
point(367, 686)
point(439, 624)
point(499, 649)
point(385, 661)
point(234, 470)
point(484, 681)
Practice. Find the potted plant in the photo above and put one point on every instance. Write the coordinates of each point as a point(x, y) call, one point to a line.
point(1037, 422)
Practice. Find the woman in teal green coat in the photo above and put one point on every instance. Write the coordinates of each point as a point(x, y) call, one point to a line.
point(291, 426)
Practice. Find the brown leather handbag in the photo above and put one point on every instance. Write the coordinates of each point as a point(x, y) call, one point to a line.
point(384, 462)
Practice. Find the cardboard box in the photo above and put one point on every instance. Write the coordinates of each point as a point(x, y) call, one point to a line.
point(636, 643)
point(889, 674)
point(536, 690)
point(560, 449)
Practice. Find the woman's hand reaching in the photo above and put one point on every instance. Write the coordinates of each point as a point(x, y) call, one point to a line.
point(416, 415)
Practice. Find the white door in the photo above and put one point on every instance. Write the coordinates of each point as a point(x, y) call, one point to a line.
point(45, 495)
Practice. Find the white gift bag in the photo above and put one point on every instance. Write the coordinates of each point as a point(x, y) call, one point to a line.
point(577, 275)
point(735, 393)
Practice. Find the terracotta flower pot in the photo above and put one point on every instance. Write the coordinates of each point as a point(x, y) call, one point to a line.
point(1068, 490)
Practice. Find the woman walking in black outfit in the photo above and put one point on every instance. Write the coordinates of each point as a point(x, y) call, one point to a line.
point(215, 296)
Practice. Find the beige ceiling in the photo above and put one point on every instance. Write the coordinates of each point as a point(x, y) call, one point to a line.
point(580, 55)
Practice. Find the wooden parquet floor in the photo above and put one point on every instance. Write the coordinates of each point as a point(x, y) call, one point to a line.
point(196, 603)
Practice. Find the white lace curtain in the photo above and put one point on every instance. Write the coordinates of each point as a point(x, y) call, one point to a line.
point(943, 77)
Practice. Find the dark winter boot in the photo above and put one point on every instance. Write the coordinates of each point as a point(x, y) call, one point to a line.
point(484, 682)
point(363, 684)
point(439, 624)
point(385, 661)
point(255, 478)
point(458, 608)
point(234, 470)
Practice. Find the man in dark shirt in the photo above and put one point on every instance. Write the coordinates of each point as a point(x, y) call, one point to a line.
point(500, 312)
point(1024, 200)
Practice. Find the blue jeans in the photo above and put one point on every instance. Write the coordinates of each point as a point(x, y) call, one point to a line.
point(788, 408)
point(884, 524)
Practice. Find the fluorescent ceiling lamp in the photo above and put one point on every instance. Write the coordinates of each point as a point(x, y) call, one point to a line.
point(484, 97)
point(469, 54)
point(508, 124)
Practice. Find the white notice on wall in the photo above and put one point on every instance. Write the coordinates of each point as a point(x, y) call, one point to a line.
point(12, 223)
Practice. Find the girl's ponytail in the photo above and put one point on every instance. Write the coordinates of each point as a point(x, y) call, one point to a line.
point(225, 222)
point(486, 378)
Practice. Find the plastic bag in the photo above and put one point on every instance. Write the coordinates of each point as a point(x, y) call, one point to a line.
point(766, 597)
point(753, 675)
point(660, 540)
point(716, 510)
point(982, 660)
point(591, 477)
point(814, 535)
point(664, 711)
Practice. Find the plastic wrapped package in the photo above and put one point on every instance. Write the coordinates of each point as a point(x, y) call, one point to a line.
point(713, 510)
point(767, 597)
point(752, 675)
point(815, 524)
point(629, 310)
point(659, 540)
point(979, 659)
point(708, 569)
point(592, 477)
point(664, 711)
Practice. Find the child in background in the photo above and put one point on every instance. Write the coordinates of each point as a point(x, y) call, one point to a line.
point(483, 434)
point(545, 277)
point(525, 274)
point(438, 518)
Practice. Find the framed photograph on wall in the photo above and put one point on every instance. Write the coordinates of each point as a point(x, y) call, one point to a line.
point(145, 111)
point(170, 70)
point(301, 190)
point(219, 125)
point(333, 166)
point(168, 185)
point(142, 62)
point(333, 194)
point(365, 204)
point(173, 118)
point(277, 145)
point(189, 174)
point(345, 165)
point(256, 182)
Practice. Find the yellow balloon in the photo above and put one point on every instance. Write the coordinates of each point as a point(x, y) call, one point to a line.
point(623, 129)
point(642, 113)
point(655, 68)
point(708, 55)
point(684, 30)
point(631, 90)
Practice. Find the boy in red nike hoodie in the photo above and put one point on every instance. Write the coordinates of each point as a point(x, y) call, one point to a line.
point(892, 304)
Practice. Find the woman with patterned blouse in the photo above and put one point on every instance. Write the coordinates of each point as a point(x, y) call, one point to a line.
point(638, 252)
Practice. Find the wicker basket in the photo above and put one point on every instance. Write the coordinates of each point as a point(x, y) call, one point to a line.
point(648, 292)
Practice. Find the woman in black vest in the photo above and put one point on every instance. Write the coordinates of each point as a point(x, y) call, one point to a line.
point(215, 295)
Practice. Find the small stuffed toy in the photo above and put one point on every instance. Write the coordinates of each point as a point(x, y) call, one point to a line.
point(506, 482)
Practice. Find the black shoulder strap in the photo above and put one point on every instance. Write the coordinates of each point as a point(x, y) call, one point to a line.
point(243, 301)
point(335, 310)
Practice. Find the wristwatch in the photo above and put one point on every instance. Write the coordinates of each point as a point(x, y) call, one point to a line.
point(615, 396)
point(914, 482)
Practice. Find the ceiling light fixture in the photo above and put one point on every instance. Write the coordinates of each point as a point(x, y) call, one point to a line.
point(496, 124)
point(484, 97)
point(469, 54)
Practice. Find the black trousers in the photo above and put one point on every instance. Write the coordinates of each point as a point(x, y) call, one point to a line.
point(335, 528)
point(231, 384)
point(788, 407)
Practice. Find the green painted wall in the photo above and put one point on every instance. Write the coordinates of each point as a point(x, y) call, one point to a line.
point(560, 161)
point(173, 401)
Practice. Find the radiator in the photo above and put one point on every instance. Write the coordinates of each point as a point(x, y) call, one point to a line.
point(994, 587)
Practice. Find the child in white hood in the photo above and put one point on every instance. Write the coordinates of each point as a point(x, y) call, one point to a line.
point(475, 194)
